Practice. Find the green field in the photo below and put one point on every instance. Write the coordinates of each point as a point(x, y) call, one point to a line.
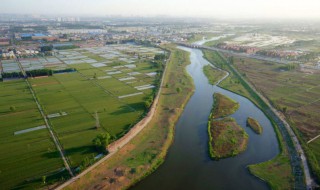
point(147, 150)
point(293, 92)
point(25, 157)
point(213, 74)
point(232, 82)
point(117, 90)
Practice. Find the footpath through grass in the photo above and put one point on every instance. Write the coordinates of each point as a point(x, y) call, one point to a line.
point(148, 149)
point(213, 75)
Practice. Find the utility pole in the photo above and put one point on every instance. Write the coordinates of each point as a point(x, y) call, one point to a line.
point(97, 120)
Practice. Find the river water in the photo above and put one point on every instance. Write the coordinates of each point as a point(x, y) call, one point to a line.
point(188, 165)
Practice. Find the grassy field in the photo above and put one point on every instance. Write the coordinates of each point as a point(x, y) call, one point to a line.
point(24, 158)
point(276, 172)
point(226, 138)
point(293, 92)
point(223, 106)
point(254, 125)
point(233, 83)
point(114, 83)
point(81, 94)
point(148, 149)
point(213, 75)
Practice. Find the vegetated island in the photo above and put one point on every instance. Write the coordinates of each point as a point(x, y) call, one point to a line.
point(223, 106)
point(254, 125)
point(213, 75)
point(226, 138)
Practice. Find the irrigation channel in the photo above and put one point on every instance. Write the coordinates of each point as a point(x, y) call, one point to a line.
point(188, 165)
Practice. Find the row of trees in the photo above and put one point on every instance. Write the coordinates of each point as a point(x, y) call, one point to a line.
point(12, 75)
point(39, 72)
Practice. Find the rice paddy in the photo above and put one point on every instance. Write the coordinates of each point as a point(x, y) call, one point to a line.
point(112, 82)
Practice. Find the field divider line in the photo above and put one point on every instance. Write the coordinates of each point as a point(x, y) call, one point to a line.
point(54, 138)
point(117, 145)
point(107, 91)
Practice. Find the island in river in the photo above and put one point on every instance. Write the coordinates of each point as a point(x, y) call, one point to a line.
point(254, 125)
point(223, 106)
point(227, 138)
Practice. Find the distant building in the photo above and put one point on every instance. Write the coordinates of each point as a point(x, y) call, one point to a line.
point(4, 41)
point(36, 36)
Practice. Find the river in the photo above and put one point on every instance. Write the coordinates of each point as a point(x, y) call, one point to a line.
point(188, 165)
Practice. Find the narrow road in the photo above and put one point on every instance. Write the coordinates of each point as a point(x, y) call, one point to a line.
point(54, 138)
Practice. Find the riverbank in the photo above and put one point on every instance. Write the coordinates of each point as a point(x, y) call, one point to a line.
point(213, 74)
point(147, 150)
point(281, 163)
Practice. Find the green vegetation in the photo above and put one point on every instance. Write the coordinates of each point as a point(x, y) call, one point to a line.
point(66, 47)
point(12, 75)
point(39, 72)
point(237, 84)
point(293, 92)
point(26, 157)
point(226, 138)
point(79, 109)
point(254, 125)
point(213, 75)
point(233, 82)
point(101, 142)
point(147, 150)
point(276, 172)
point(223, 106)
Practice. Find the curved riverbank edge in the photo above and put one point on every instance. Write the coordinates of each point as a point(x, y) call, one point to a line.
point(280, 131)
point(156, 107)
point(161, 158)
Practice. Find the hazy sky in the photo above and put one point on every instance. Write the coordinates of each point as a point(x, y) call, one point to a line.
point(194, 8)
